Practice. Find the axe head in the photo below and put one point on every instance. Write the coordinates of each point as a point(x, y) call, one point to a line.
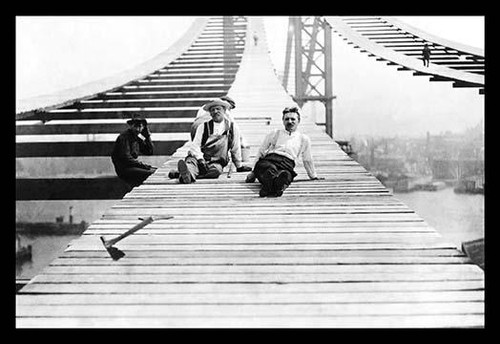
point(113, 251)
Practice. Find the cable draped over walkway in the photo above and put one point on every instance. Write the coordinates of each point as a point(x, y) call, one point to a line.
point(398, 44)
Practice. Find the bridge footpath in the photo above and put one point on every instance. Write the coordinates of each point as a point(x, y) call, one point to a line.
point(339, 252)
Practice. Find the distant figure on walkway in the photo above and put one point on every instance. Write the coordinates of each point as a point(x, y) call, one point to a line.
point(255, 39)
point(213, 141)
point(275, 161)
point(129, 144)
point(426, 55)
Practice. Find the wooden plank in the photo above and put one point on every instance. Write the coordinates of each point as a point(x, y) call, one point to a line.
point(270, 217)
point(372, 321)
point(272, 238)
point(257, 289)
point(257, 248)
point(251, 298)
point(270, 220)
point(333, 198)
point(369, 254)
point(154, 261)
point(110, 269)
point(90, 148)
point(263, 212)
point(254, 277)
point(120, 224)
point(207, 311)
point(255, 228)
point(154, 202)
point(261, 203)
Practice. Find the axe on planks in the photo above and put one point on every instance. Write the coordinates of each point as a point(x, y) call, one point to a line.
point(116, 253)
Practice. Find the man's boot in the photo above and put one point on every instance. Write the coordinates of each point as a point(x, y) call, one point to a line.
point(281, 182)
point(184, 174)
point(267, 184)
point(173, 174)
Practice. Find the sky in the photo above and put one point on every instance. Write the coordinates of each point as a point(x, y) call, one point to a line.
point(55, 53)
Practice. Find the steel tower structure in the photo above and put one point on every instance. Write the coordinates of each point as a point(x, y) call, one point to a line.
point(310, 39)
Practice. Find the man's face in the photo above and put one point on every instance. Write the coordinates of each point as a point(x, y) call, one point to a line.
point(137, 128)
point(217, 112)
point(291, 121)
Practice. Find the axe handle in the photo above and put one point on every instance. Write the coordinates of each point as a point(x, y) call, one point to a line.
point(230, 167)
point(134, 229)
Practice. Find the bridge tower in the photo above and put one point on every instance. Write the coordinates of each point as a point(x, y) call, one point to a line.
point(310, 39)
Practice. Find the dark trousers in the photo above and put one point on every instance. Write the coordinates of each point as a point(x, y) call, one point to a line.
point(267, 169)
point(134, 176)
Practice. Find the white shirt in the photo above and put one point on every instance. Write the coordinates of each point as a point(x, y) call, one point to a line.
point(219, 128)
point(292, 145)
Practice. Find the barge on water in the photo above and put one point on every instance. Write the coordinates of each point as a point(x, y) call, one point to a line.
point(22, 252)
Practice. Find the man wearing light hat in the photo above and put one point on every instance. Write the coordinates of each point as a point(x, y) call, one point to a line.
point(203, 116)
point(129, 144)
point(213, 141)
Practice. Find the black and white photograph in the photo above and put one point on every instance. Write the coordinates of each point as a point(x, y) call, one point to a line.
point(250, 171)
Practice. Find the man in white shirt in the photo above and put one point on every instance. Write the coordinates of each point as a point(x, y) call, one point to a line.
point(275, 161)
point(211, 145)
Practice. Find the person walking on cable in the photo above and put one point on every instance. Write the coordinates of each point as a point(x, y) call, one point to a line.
point(426, 55)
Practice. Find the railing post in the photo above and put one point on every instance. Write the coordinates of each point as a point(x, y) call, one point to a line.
point(288, 52)
point(299, 81)
point(328, 79)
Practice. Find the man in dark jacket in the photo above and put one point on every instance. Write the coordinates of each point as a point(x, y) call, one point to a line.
point(129, 144)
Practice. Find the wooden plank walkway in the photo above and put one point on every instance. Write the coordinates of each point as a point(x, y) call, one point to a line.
point(339, 252)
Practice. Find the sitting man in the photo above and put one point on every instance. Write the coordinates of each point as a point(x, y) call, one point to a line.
point(277, 156)
point(209, 152)
point(204, 116)
point(136, 139)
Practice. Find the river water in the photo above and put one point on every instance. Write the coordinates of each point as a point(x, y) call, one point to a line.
point(457, 217)
point(44, 249)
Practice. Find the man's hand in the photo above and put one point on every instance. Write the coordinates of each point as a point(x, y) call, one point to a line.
point(203, 166)
point(250, 178)
point(243, 169)
point(145, 132)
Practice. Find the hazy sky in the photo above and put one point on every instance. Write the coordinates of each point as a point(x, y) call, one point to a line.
point(55, 53)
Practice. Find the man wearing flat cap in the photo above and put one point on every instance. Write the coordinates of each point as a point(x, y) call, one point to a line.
point(213, 141)
point(129, 144)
